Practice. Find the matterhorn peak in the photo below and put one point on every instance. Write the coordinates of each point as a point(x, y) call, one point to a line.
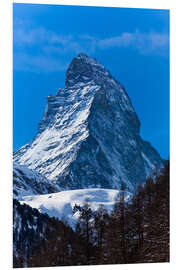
point(84, 68)
point(90, 134)
point(85, 57)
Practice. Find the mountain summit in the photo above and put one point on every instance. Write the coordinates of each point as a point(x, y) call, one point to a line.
point(84, 68)
point(90, 134)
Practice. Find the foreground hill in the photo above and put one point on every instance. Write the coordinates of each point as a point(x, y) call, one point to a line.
point(61, 204)
point(135, 231)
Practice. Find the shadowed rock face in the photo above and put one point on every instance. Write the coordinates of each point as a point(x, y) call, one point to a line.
point(89, 136)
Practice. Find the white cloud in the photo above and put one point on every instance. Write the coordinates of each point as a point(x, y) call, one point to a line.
point(34, 36)
point(124, 40)
point(158, 40)
point(144, 42)
point(51, 46)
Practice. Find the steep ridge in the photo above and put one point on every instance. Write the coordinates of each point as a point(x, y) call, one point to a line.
point(89, 135)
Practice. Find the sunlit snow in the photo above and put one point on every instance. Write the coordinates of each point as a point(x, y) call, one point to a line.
point(61, 204)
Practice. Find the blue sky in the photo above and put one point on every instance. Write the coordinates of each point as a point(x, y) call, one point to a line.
point(133, 44)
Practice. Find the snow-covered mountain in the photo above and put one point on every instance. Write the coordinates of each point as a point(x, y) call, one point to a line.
point(89, 136)
point(61, 204)
point(29, 182)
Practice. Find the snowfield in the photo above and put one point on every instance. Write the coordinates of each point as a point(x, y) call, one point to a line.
point(61, 204)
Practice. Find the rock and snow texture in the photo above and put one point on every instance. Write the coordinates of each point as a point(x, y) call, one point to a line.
point(29, 182)
point(89, 136)
point(61, 204)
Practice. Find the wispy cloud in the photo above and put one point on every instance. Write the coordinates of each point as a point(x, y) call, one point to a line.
point(50, 46)
point(143, 42)
point(40, 35)
point(124, 40)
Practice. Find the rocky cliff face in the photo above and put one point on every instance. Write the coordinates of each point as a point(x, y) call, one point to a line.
point(89, 136)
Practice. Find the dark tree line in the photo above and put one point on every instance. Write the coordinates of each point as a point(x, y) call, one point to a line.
point(39, 240)
point(136, 231)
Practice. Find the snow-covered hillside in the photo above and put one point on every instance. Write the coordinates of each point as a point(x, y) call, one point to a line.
point(61, 204)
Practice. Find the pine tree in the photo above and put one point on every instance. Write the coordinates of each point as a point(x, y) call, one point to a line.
point(99, 234)
point(117, 231)
point(136, 231)
point(86, 230)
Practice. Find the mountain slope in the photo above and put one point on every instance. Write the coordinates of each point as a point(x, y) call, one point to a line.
point(29, 182)
point(90, 134)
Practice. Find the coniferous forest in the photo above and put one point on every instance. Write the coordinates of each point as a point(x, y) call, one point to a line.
point(136, 231)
